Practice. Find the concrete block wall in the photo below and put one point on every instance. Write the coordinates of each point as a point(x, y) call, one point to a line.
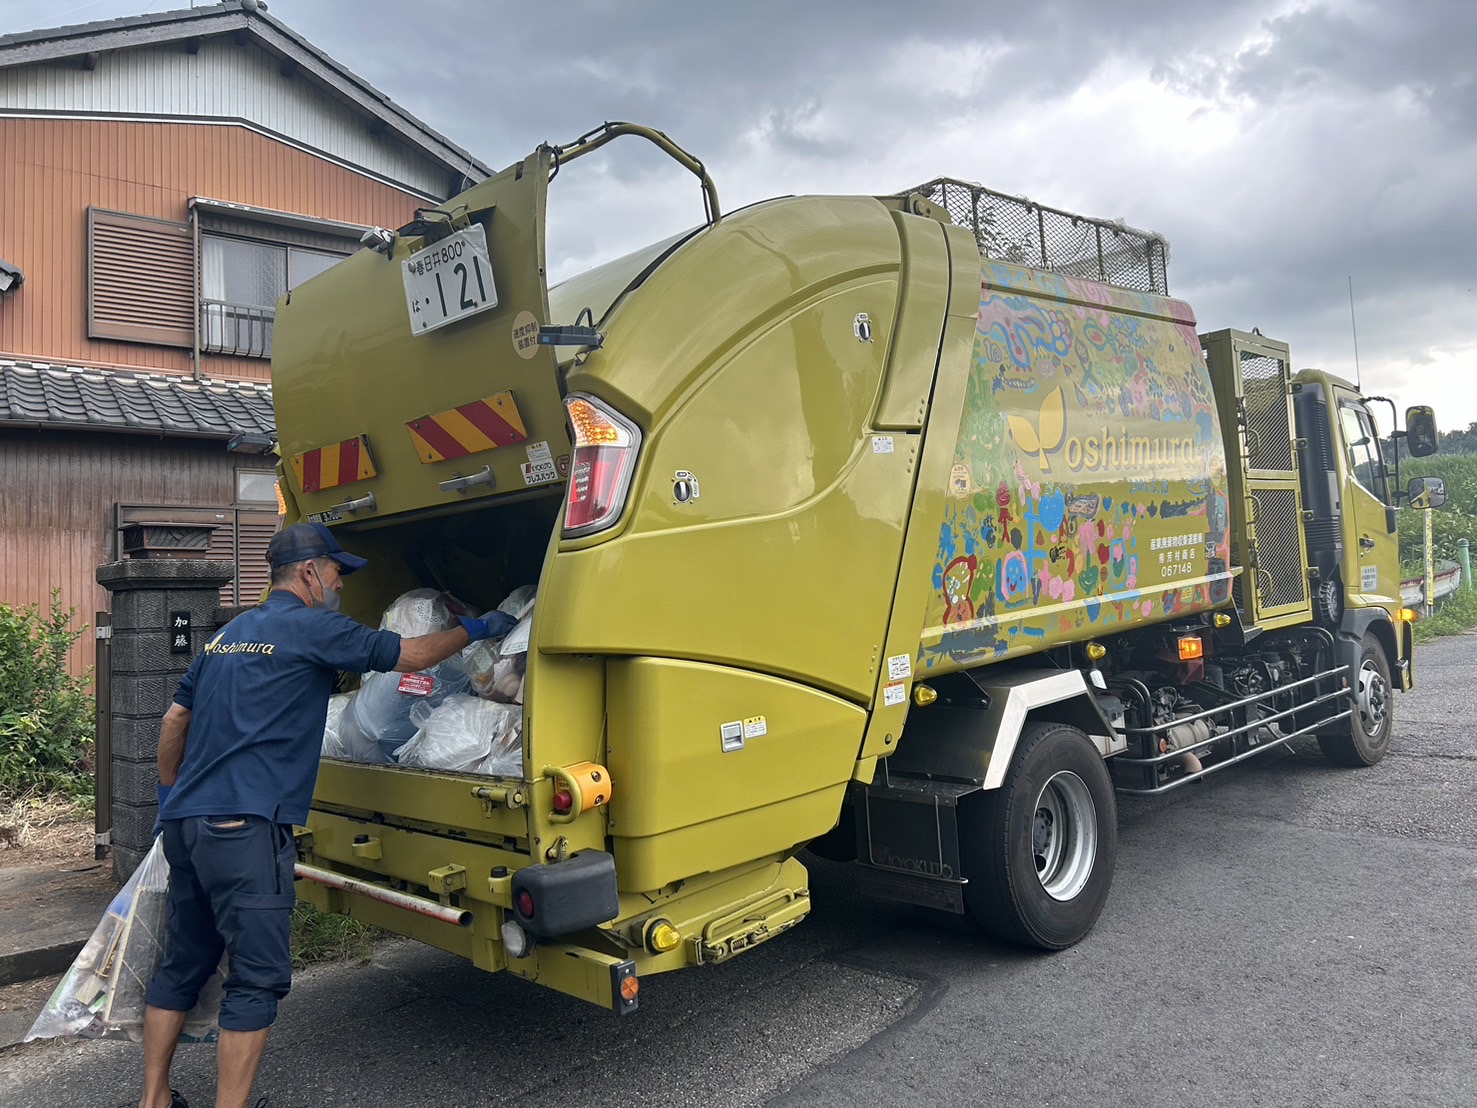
point(144, 674)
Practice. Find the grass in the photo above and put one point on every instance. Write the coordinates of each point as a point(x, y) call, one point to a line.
point(1455, 615)
point(327, 937)
point(34, 815)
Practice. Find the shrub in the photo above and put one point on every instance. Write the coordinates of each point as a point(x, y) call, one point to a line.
point(46, 715)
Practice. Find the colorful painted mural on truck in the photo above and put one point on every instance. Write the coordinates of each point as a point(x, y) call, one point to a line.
point(1088, 491)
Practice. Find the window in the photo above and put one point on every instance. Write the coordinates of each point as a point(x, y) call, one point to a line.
point(256, 486)
point(1362, 441)
point(240, 281)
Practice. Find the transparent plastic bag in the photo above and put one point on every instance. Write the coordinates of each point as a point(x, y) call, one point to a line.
point(464, 735)
point(102, 995)
point(422, 611)
point(334, 745)
point(380, 712)
point(495, 667)
point(519, 602)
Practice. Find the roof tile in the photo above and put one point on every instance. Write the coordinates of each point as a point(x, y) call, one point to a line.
point(63, 396)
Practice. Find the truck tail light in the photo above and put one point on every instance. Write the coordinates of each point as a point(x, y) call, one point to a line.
point(605, 448)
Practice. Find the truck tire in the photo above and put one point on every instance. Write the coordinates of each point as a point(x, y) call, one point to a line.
point(1364, 737)
point(1038, 853)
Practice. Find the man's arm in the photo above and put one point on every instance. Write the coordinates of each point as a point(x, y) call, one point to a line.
point(425, 651)
point(173, 730)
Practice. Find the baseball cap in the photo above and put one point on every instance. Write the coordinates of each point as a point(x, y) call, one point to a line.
point(302, 541)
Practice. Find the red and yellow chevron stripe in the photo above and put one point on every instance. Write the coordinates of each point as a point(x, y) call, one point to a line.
point(468, 429)
point(327, 467)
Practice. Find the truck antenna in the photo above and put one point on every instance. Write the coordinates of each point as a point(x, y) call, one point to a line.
point(1354, 327)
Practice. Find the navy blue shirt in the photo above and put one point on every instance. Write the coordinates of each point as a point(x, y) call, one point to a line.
point(258, 698)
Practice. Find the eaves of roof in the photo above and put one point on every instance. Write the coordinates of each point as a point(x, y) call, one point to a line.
point(43, 396)
point(234, 17)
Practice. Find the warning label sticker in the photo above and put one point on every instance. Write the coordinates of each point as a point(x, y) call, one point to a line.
point(894, 694)
point(540, 468)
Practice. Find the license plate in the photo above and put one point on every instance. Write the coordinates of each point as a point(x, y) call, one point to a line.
point(449, 280)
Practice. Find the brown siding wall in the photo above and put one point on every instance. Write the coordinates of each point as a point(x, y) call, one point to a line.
point(53, 169)
point(57, 491)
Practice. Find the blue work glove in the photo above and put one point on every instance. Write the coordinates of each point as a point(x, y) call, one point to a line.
point(495, 626)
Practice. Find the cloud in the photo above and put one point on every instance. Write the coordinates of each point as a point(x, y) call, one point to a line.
point(1282, 146)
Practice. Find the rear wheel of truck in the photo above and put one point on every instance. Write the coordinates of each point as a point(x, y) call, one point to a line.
point(1039, 851)
point(1363, 737)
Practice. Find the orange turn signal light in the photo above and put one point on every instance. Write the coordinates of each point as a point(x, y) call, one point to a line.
point(1191, 647)
point(1409, 615)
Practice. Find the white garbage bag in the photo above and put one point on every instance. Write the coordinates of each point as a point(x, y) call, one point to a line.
point(380, 713)
point(467, 735)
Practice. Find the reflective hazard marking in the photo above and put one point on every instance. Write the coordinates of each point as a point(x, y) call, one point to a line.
point(468, 429)
point(327, 467)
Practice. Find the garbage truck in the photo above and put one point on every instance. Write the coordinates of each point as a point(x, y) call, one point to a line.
point(908, 529)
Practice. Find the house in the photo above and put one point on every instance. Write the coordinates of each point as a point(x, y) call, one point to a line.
point(164, 178)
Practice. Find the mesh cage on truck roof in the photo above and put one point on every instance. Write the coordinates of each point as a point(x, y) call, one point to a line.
point(1014, 229)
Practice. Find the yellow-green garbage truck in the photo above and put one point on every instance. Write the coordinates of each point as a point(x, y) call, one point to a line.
point(904, 528)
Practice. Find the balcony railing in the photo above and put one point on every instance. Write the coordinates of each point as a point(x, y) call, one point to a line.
point(235, 329)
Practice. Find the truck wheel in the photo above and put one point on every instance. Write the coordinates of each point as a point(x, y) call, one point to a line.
point(1039, 851)
point(1363, 738)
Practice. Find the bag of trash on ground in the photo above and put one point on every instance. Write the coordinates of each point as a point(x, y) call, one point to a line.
point(467, 735)
point(380, 712)
point(102, 995)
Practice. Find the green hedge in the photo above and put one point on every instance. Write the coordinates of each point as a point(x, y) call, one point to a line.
point(46, 715)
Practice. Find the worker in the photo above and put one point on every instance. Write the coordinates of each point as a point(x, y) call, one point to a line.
point(238, 761)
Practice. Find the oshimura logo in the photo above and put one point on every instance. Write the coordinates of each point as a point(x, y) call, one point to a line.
point(1103, 450)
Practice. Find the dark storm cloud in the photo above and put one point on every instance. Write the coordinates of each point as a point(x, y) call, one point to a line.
point(1283, 146)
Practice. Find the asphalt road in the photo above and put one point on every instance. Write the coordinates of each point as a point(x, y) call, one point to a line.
point(1284, 933)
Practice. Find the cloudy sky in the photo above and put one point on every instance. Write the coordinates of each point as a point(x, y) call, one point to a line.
point(1284, 147)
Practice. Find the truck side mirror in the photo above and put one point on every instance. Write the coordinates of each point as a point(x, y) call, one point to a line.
point(1420, 430)
point(1426, 492)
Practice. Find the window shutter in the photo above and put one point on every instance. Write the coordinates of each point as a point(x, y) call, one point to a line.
point(257, 529)
point(140, 279)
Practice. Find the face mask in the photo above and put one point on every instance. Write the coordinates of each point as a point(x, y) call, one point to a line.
point(328, 598)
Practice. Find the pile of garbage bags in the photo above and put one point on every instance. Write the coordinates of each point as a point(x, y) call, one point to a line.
point(463, 715)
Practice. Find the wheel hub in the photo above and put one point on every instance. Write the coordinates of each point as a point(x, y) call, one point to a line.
point(1064, 836)
point(1373, 699)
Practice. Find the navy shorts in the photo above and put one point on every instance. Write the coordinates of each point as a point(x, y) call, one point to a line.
point(231, 890)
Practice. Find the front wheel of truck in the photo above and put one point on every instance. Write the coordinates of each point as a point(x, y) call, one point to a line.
point(1039, 851)
point(1363, 737)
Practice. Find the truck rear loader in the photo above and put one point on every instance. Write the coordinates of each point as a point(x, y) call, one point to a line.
point(884, 525)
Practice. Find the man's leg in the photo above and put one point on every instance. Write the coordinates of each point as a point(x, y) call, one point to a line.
point(237, 1056)
point(191, 955)
point(161, 1032)
point(249, 877)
